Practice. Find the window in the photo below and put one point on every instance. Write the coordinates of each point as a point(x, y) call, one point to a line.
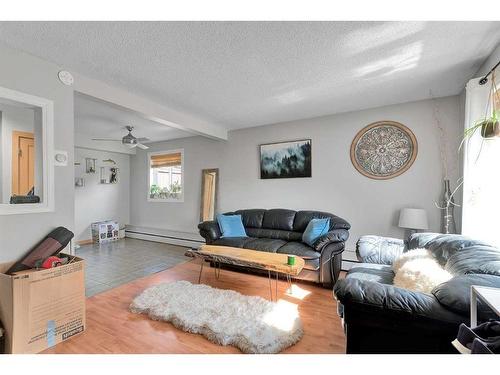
point(166, 180)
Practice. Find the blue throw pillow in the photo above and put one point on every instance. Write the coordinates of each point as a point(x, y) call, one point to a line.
point(315, 229)
point(231, 226)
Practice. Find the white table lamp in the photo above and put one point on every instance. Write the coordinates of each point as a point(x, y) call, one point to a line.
point(413, 219)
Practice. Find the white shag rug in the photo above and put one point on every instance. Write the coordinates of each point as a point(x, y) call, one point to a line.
point(250, 323)
point(418, 270)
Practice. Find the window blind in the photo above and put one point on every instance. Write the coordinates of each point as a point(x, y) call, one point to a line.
point(166, 160)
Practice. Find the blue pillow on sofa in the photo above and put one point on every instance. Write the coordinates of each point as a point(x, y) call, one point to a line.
point(315, 229)
point(231, 226)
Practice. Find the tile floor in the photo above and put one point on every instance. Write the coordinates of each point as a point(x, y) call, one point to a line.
point(116, 263)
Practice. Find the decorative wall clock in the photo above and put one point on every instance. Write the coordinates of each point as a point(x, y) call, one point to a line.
point(383, 150)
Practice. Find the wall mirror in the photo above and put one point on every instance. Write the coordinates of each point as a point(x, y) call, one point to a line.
point(209, 186)
point(26, 147)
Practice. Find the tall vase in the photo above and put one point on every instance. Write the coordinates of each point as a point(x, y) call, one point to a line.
point(447, 206)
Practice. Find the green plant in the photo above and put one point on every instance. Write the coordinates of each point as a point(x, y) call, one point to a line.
point(157, 192)
point(154, 191)
point(175, 188)
point(489, 124)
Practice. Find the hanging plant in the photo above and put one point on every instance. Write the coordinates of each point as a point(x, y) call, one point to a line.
point(489, 124)
point(490, 128)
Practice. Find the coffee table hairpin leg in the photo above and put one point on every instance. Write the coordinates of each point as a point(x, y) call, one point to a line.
point(217, 269)
point(271, 286)
point(275, 298)
point(201, 269)
point(276, 286)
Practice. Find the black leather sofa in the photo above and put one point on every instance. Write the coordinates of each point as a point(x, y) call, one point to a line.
point(280, 231)
point(381, 318)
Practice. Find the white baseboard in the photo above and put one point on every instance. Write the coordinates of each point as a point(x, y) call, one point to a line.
point(164, 236)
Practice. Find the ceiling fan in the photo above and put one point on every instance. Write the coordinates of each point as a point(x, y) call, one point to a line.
point(129, 140)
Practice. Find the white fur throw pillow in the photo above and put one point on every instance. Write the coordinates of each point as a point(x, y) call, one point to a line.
point(418, 270)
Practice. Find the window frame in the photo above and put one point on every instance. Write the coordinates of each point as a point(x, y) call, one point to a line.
point(165, 200)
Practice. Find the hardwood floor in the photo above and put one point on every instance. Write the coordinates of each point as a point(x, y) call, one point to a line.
point(111, 328)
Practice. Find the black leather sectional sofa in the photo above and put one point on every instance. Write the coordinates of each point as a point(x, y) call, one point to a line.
point(280, 231)
point(381, 318)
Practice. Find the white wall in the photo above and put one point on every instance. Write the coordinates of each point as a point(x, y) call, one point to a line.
point(25, 73)
point(95, 201)
point(371, 206)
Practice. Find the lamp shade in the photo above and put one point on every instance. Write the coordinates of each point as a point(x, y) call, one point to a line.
point(413, 218)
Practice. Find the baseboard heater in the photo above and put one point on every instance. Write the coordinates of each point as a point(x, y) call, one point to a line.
point(165, 238)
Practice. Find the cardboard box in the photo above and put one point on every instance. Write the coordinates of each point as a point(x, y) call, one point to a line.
point(41, 308)
point(105, 231)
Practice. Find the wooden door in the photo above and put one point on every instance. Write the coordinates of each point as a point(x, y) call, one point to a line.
point(23, 162)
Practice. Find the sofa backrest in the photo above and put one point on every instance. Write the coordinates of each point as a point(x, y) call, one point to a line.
point(283, 224)
point(459, 254)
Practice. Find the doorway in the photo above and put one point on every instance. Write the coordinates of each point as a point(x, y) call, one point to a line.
point(23, 163)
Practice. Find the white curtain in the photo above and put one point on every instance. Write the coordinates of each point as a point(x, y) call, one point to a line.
point(481, 190)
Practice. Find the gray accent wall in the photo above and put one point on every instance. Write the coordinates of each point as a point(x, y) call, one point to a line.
point(22, 72)
point(371, 206)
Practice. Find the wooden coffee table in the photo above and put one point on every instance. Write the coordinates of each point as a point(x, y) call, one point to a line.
point(270, 262)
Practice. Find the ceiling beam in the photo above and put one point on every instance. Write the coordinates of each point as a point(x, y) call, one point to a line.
point(148, 108)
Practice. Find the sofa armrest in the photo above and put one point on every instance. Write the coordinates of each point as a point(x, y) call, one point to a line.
point(210, 231)
point(379, 250)
point(330, 263)
point(391, 301)
point(333, 236)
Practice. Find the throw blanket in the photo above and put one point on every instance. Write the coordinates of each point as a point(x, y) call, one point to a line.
point(419, 271)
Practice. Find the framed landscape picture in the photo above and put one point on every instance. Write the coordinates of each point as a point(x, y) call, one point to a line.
point(286, 159)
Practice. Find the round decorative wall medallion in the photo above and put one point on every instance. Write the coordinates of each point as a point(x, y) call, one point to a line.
point(383, 150)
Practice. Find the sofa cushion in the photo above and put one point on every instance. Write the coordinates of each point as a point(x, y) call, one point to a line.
point(264, 244)
point(302, 218)
point(252, 218)
point(475, 259)
point(459, 254)
point(379, 250)
point(455, 293)
point(300, 249)
point(278, 219)
point(443, 246)
point(285, 235)
point(232, 241)
point(379, 273)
